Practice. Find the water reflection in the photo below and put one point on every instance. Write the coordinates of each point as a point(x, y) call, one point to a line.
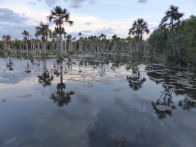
point(164, 105)
point(28, 68)
point(61, 97)
point(9, 64)
point(180, 81)
point(135, 80)
point(187, 103)
point(45, 78)
point(96, 115)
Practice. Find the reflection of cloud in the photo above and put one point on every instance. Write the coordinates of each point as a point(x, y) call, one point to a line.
point(63, 127)
point(12, 78)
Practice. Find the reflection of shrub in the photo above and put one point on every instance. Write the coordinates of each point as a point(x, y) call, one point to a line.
point(45, 79)
point(135, 83)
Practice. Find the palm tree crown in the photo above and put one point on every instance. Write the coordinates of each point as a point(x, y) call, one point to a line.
point(172, 18)
point(138, 28)
point(60, 16)
point(25, 35)
point(43, 30)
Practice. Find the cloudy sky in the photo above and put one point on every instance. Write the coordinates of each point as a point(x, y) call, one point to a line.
point(91, 17)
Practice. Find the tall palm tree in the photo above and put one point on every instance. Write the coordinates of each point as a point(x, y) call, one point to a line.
point(60, 16)
point(80, 41)
point(69, 40)
point(65, 43)
point(171, 22)
point(26, 38)
point(114, 42)
point(137, 30)
point(43, 30)
point(5, 44)
point(37, 40)
point(8, 41)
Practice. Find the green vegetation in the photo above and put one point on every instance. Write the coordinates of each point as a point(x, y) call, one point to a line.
point(174, 41)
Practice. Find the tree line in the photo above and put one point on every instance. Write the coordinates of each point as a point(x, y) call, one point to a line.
point(173, 41)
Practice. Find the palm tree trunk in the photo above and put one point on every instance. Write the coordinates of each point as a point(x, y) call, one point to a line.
point(65, 46)
point(61, 45)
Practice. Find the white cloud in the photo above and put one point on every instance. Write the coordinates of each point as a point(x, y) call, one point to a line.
point(142, 1)
point(73, 3)
point(88, 24)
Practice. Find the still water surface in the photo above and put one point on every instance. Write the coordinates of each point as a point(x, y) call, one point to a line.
point(96, 103)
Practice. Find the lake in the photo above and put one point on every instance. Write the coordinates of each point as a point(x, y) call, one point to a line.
point(96, 102)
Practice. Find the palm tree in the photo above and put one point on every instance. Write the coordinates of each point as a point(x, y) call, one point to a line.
point(137, 30)
point(69, 40)
point(65, 43)
point(171, 23)
point(114, 42)
point(60, 16)
point(53, 37)
point(43, 30)
point(80, 41)
point(26, 38)
point(4, 39)
point(37, 40)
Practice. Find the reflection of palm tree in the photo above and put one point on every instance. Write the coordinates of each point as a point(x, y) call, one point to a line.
point(10, 64)
point(187, 103)
point(79, 70)
point(102, 70)
point(61, 97)
point(163, 106)
point(135, 81)
point(45, 78)
point(28, 68)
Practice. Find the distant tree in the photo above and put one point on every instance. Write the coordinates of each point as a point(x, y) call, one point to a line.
point(80, 41)
point(4, 40)
point(26, 38)
point(43, 30)
point(137, 30)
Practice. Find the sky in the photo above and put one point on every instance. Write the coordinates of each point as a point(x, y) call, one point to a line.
point(91, 17)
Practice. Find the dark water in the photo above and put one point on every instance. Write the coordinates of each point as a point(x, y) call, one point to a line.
point(96, 103)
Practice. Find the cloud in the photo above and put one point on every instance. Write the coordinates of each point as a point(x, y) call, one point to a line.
point(73, 3)
point(88, 23)
point(32, 3)
point(8, 16)
point(87, 32)
point(15, 30)
point(107, 31)
point(142, 1)
point(78, 3)
point(50, 3)
point(13, 24)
